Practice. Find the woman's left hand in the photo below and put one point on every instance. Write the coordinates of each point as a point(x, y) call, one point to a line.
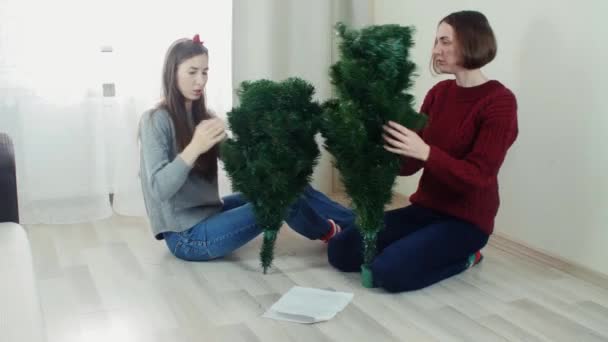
point(405, 142)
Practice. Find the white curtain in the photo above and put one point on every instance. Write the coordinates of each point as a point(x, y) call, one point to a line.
point(276, 39)
point(73, 146)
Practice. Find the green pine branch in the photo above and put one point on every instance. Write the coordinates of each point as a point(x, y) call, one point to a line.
point(371, 80)
point(273, 152)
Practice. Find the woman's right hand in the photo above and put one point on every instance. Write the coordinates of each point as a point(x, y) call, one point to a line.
point(206, 134)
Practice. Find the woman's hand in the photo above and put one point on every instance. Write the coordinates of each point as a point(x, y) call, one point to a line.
point(206, 134)
point(405, 142)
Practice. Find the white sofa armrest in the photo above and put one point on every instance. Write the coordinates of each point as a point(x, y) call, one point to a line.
point(20, 311)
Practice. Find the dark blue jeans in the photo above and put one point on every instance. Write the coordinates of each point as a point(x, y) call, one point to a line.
point(230, 229)
point(417, 248)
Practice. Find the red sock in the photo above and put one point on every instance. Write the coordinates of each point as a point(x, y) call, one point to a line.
point(475, 259)
point(333, 231)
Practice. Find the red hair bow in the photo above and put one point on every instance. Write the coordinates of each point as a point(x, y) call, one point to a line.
point(197, 39)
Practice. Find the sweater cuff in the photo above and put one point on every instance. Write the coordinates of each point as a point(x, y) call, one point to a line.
point(409, 166)
point(182, 166)
point(436, 159)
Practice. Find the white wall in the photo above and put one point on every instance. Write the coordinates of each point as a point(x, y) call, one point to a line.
point(553, 55)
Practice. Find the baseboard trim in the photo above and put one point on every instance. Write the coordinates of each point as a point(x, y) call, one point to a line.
point(519, 248)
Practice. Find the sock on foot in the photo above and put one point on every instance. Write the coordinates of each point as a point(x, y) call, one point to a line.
point(475, 259)
point(333, 231)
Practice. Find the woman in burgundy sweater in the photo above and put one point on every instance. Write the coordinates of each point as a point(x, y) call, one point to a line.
point(472, 124)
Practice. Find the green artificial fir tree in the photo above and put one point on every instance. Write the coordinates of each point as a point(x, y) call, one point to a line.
point(273, 152)
point(371, 81)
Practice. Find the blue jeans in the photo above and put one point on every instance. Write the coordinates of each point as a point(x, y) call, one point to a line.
point(418, 247)
point(235, 225)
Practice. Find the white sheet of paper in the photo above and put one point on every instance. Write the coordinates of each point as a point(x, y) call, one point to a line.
point(308, 305)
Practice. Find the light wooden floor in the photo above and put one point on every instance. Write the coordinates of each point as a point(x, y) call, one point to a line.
point(111, 281)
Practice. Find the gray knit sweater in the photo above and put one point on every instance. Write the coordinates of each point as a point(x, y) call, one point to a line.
point(175, 198)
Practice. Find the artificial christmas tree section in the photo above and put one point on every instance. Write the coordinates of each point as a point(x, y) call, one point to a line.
point(273, 152)
point(371, 81)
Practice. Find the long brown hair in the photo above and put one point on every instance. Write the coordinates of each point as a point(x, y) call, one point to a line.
point(175, 104)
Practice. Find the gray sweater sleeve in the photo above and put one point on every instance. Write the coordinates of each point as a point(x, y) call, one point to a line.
point(166, 171)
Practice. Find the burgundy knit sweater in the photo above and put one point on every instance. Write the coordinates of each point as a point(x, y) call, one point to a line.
point(469, 132)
